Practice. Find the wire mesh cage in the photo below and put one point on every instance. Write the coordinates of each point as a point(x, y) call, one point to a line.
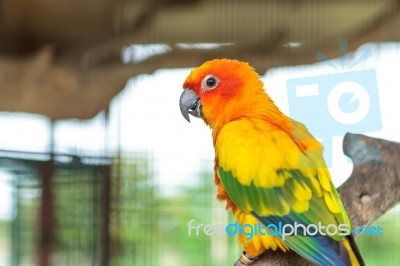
point(57, 209)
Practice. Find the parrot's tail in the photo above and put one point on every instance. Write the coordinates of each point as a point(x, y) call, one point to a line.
point(352, 249)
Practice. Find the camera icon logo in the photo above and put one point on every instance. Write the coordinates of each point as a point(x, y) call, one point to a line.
point(337, 108)
point(333, 104)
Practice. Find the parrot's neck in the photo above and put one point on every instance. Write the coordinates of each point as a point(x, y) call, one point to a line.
point(257, 108)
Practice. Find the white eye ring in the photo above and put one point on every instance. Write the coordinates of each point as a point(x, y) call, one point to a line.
point(209, 82)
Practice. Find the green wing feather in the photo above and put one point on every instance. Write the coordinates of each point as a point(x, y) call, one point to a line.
point(282, 178)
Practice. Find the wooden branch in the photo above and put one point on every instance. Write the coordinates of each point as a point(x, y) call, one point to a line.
point(372, 189)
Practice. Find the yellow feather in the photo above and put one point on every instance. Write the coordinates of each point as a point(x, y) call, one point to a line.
point(248, 164)
point(300, 206)
point(331, 202)
point(258, 243)
point(300, 192)
point(353, 259)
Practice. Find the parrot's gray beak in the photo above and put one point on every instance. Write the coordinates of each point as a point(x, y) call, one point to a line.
point(190, 104)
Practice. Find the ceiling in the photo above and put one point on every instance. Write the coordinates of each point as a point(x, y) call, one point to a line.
point(69, 58)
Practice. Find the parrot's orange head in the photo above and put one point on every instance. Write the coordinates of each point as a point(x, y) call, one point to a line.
point(222, 90)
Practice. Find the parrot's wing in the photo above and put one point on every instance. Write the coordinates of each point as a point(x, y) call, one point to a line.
point(280, 179)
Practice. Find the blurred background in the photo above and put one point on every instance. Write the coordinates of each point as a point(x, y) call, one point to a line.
point(97, 165)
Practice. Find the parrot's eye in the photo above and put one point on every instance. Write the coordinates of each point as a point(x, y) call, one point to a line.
point(209, 82)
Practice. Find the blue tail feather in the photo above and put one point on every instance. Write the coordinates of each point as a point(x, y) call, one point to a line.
point(319, 249)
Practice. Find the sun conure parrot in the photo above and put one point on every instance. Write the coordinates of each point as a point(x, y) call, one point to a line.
point(268, 167)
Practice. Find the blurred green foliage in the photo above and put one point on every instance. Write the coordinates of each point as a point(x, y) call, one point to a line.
point(163, 238)
point(149, 224)
point(383, 250)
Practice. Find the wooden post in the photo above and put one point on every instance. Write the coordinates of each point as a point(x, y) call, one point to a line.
point(105, 233)
point(46, 210)
point(46, 215)
point(106, 202)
